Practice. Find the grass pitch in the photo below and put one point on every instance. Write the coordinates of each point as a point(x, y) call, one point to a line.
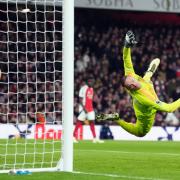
point(122, 160)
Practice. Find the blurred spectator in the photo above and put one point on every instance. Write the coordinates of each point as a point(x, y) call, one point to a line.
point(49, 118)
point(105, 132)
point(171, 119)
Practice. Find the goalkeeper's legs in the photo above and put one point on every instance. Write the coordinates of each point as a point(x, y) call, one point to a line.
point(151, 69)
point(140, 128)
point(136, 129)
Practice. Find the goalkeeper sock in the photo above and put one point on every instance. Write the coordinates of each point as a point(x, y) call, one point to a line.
point(153, 65)
point(148, 76)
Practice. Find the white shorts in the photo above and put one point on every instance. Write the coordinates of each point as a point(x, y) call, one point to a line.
point(86, 116)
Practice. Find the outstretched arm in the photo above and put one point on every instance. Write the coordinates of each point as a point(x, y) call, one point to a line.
point(129, 42)
point(146, 99)
point(167, 107)
point(128, 66)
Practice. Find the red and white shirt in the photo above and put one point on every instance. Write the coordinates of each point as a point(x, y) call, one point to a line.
point(87, 94)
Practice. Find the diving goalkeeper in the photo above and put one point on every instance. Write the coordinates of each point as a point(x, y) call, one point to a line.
point(145, 100)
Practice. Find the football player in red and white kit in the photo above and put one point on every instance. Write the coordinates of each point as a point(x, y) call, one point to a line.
point(86, 110)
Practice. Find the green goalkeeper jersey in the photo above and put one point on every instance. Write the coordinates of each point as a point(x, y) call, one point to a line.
point(145, 100)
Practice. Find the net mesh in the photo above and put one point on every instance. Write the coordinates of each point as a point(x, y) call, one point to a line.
point(31, 84)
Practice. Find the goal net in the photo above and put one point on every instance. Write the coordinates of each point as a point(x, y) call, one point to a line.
point(35, 106)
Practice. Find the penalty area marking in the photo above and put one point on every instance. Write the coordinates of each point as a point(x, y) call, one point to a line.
point(117, 176)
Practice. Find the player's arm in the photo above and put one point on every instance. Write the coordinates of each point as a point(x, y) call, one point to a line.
point(167, 107)
point(150, 101)
point(129, 42)
point(161, 106)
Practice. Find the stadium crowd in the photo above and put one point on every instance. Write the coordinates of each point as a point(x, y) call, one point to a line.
point(31, 64)
point(98, 51)
point(31, 80)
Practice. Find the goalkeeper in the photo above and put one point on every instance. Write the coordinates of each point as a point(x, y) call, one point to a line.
point(145, 100)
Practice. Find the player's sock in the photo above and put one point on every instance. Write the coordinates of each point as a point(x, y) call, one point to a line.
point(92, 127)
point(151, 69)
point(78, 125)
point(148, 76)
point(154, 65)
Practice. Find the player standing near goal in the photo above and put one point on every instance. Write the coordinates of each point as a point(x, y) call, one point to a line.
point(145, 100)
point(86, 110)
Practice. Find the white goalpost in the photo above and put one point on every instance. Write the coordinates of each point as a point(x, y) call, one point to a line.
point(68, 79)
point(37, 85)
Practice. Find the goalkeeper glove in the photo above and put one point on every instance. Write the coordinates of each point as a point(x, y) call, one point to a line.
point(130, 40)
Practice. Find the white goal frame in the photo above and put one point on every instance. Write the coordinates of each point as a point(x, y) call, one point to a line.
point(68, 86)
point(66, 161)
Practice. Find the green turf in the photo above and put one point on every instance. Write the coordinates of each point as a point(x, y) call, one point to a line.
point(134, 160)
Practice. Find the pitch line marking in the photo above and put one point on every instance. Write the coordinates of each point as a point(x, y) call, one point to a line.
point(117, 176)
point(129, 152)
